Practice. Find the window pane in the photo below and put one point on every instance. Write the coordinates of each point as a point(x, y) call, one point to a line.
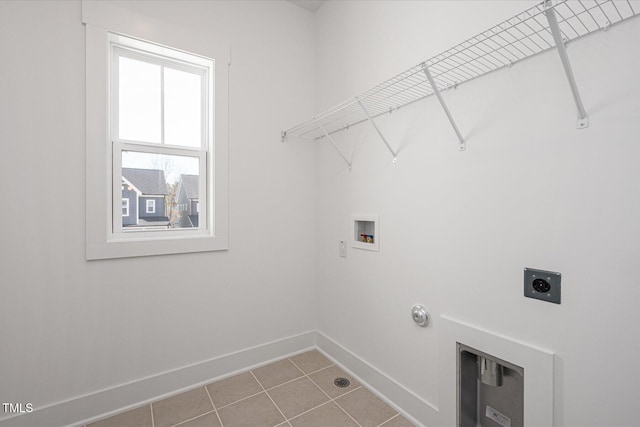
point(182, 108)
point(139, 115)
point(163, 191)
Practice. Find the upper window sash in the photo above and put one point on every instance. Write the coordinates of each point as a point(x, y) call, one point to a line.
point(200, 68)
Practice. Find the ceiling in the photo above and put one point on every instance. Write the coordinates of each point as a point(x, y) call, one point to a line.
point(310, 5)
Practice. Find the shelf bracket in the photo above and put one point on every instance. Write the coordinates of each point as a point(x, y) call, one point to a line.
point(393, 153)
point(427, 73)
point(334, 144)
point(583, 119)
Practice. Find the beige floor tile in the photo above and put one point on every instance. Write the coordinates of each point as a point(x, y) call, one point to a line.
point(297, 396)
point(233, 389)
point(207, 420)
point(324, 416)
point(277, 373)
point(139, 417)
point(180, 408)
point(366, 408)
point(311, 361)
point(325, 378)
point(398, 421)
point(256, 411)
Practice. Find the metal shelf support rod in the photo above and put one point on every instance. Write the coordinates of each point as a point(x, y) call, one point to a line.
point(427, 73)
point(393, 153)
point(334, 144)
point(583, 119)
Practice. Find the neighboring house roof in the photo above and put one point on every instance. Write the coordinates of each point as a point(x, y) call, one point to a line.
point(148, 181)
point(190, 185)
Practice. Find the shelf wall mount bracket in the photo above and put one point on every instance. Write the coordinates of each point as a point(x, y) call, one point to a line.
point(393, 153)
point(334, 144)
point(434, 87)
point(549, 11)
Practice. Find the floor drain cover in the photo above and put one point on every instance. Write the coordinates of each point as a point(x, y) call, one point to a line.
point(341, 382)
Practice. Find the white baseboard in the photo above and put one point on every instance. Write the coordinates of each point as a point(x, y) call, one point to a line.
point(405, 401)
point(90, 407)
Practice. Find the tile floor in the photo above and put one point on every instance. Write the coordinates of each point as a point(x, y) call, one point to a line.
point(295, 392)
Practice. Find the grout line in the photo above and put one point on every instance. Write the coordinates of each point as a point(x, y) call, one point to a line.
point(240, 400)
point(214, 405)
point(314, 383)
point(322, 369)
point(349, 392)
point(344, 410)
point(386, 422)
point(309, 410)
point(193, 418)
point(313, 372)
point(286, 382)
point(153, 421)
point(330, 398)
point(269, 396)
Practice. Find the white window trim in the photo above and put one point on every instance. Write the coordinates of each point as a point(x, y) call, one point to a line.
point(151, 206)
point(101, 19)
point(126, 199)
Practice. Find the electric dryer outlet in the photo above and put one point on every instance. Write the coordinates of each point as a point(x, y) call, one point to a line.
point(543, 285)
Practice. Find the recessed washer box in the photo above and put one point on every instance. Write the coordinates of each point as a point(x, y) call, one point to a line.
point(365, 232)
point(542, 284)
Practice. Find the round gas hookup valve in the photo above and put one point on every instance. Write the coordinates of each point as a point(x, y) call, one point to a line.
point(419, 315)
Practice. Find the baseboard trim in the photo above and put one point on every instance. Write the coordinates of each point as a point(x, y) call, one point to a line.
point(405, 401)
point(93, 406)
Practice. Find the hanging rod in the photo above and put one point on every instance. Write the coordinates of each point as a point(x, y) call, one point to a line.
point(525, 35)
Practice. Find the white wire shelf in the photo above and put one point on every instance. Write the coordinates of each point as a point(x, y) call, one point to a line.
point(526, 34)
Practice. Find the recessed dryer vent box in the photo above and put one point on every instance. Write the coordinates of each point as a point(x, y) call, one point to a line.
point(365, 232)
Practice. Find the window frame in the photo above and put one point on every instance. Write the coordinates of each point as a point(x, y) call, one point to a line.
point(104, 22)
point(126, 47)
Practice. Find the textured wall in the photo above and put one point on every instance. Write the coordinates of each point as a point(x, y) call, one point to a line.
point(457, 229)
point(71, 327)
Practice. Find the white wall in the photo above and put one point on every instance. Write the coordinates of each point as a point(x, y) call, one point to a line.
point(70, 327)
point(457, 229)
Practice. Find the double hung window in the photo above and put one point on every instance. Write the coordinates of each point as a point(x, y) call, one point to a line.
point(157, 134)
point(160, 124)
point(151, 206)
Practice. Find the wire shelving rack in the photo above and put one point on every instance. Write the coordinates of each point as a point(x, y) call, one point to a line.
point(541, 28)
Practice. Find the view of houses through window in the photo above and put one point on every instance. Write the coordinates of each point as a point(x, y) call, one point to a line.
point(159, 191)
